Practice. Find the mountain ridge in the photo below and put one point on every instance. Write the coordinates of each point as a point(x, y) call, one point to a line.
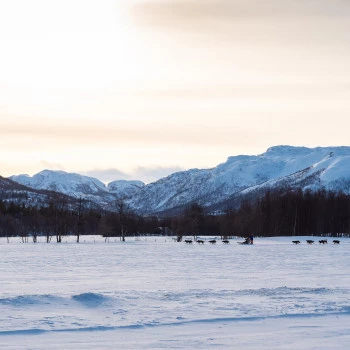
point(229, 182)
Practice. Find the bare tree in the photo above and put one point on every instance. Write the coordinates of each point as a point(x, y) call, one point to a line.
point(59, 216)
point(32, 223)
point(8, 226)
point(121, 208)
point(195, 214)
point(80, 219)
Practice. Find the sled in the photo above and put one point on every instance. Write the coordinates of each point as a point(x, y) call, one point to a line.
point(245, 242)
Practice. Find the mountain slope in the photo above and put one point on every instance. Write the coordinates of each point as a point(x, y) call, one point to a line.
point(124, 188)
point(279, 166)
point(11, 191)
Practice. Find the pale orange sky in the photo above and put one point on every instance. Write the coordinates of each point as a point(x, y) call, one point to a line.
point(139, 89)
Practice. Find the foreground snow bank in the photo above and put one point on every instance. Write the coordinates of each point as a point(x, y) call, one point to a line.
point(303, 333)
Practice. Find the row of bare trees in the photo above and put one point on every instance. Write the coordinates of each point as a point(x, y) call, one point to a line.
point(56, 220)
point(60, 218)
point(273, 214)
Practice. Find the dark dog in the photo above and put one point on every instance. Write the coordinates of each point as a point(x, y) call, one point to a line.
point(188, 241)
point(200, 241)
point(336, 241)
point(323, 241)
point(296, 242)
point(213, 241)
point(226, 241)
point(309, 241)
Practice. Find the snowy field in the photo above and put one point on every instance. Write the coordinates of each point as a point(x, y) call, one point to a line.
point(154, 293)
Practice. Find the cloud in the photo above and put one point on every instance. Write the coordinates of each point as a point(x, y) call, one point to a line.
point(151, 174)
point(227, 10)
point(107, 175)
point(51, 166)
point(248, 21)
point(144, 174)
point(67, 136)
point(246, 91)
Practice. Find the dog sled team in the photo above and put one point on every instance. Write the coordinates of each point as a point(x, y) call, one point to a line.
point(201, 241)
point(248, 240)
point(322, 241)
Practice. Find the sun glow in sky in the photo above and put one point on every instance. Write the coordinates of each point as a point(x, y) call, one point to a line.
point(140, 89)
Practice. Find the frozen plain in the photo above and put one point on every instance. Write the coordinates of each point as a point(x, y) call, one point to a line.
point(154, 293)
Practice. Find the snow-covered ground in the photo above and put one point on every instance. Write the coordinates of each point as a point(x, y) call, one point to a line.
point(154, 293)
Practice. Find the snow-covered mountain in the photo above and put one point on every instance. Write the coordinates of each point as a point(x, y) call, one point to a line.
point(240, 176)
point(11, 191)
point(124, 188)
point(79, 186)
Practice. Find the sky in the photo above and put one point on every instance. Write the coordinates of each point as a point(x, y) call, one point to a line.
point(139, 89)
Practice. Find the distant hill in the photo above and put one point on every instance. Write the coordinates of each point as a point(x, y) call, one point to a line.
point(79, 186)
point(12, 191)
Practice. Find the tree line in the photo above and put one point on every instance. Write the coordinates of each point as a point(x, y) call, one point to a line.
point(294, 212)
point(275, 213)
